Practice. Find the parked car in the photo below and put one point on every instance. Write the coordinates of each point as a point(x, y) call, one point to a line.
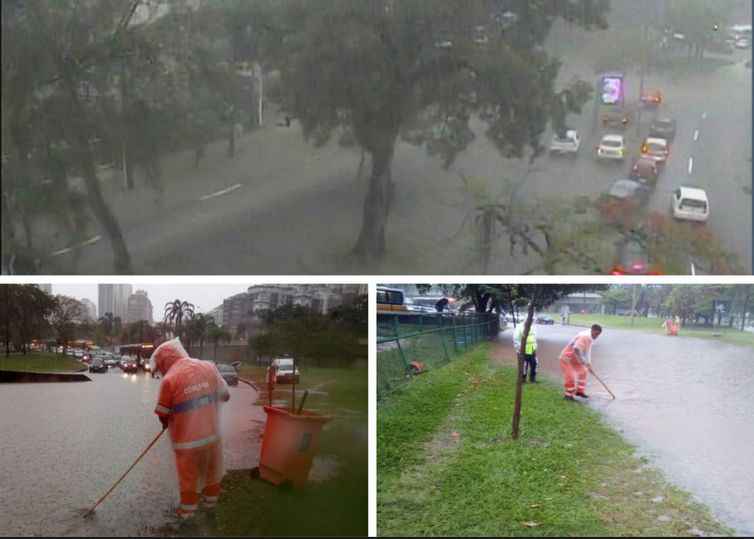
point(284, 373)
point(656, 148)
point(569, 143)
point(228, 373)
point(690, 204)
point(633, 259)
point(611, 147)
point(663, 128)
point(98, 365)
point(544, 320)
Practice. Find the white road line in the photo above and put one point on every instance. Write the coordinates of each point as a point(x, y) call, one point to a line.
point(691, 165)
point(221, 192)
point(696, 134)
point(90, 241)
point(704, 115)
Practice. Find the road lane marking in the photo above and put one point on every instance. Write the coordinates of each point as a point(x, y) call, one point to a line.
point(696, 134)
point(704, 115)
point(691, 165)
point(90, 241)
point(221, 192)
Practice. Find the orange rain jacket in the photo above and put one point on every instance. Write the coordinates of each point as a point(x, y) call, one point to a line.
point(189, 395)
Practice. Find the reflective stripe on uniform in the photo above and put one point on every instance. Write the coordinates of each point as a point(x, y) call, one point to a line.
point(211, 499)
point(161, 409)
point(195, 443)
point(193, 404)
point(187, 507)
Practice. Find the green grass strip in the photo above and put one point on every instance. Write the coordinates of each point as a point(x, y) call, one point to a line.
point(569, 474)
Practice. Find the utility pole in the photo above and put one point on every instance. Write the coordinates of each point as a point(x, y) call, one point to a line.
point(642, 72)
point(633, 303)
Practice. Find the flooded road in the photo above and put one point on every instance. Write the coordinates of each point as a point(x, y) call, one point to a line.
point(62, 446)
point(686, 403)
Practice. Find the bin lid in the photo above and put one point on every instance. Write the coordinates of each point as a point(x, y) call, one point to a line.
point(305, 415)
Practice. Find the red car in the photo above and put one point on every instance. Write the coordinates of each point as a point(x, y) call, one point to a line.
point(651, 97)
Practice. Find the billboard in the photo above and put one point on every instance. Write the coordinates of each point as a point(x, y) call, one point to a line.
point(611, 86)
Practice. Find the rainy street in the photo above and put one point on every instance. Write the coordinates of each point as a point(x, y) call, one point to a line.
point(65, 444)
point(686, 403)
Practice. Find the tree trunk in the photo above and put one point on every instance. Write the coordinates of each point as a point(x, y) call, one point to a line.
point(121, 258)
point(745, 307)
point(520, 377)
point(370, 245)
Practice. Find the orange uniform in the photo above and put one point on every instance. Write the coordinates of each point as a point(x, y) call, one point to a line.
point(190, 393)
point(574, 369)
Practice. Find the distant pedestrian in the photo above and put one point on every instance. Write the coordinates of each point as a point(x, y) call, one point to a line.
point(529, 351)
point(576, 360)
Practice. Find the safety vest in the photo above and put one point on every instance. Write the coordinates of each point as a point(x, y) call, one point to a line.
point(189, 396)
point(531, 343)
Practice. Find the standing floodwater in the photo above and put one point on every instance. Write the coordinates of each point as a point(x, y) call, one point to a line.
point(62, 446)
point(686, 403)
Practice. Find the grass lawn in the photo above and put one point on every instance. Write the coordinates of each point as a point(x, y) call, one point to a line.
point(40, 362)
point(334, 506)
point(446, 464)
point(654, 325)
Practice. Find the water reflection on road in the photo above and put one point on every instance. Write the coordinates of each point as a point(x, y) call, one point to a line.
point(686, 403)
point(63, 445)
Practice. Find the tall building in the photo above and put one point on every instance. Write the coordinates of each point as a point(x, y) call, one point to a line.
point(236, 309)
point(217, 315)
point(90, 309)
point(139, 307)
point(113, 298)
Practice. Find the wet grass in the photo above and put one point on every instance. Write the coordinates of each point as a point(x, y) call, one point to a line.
point(40, 362)
point(654, 325)
point(336, 504)
point(447, 466)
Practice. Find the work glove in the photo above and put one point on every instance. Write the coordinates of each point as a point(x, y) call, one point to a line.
point(164, 421)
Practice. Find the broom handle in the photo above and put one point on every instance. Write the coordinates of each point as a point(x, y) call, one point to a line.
point(601, 382)
point(126, 472)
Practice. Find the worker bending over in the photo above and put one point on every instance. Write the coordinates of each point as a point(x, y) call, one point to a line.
point(188, 406)
point(576, 360)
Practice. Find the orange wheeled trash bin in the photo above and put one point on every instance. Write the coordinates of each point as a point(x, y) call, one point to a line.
point(290, 443)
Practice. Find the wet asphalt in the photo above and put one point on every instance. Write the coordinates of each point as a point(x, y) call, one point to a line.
point(63, 445)
point(687, 404)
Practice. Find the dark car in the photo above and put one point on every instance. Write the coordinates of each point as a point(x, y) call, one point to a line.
point(633, 259)
point(645, 169)
point(229, 374)
point(98, 365)
point(545, 320)
point(129, 366)
point(629, 191)
point(663, 128)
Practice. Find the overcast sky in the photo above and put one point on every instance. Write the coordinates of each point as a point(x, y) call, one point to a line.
point(204, 296)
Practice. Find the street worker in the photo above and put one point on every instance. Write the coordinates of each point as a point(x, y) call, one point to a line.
point(188, 406)
point(576, 362)
point(529, 350)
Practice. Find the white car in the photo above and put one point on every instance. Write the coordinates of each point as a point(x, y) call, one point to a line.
point(569, 144)
point(743, 43)
point(690, 204)
point(656, 149)
point(612, 147)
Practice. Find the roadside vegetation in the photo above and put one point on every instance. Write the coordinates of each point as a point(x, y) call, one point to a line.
point(446, 464)
point(40, 362)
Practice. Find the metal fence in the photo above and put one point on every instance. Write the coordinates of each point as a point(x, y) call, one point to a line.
point(410, 344)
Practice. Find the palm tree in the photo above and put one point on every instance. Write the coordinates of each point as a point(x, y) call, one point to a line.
point(216, 334)
point(175, 312)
